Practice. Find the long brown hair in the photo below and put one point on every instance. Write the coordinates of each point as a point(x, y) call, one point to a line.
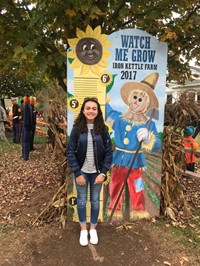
point(81, 122)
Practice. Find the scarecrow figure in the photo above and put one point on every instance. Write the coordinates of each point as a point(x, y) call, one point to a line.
point(16, 120)
point(130, 128)
point(27, 126)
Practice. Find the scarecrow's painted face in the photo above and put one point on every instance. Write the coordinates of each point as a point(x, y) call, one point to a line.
point(139, 102)
point(89, 51)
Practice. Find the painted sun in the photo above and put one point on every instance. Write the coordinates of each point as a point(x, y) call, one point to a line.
point(89, 51)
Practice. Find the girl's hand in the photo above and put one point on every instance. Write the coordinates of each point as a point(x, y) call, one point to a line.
point(80, 180)
point(99, 179)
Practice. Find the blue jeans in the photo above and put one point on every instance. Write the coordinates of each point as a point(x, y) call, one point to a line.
point(15, 133)
point(26, 140)
point(82, 193)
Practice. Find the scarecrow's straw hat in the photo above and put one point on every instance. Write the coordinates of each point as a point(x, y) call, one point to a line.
point(147, 85)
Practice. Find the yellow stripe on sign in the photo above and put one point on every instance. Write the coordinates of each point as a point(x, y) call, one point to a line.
point(89, 86)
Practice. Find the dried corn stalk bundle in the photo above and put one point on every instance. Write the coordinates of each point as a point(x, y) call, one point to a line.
point(56, 145)
point(178, 115)
point(56, 122)
point(57, 209)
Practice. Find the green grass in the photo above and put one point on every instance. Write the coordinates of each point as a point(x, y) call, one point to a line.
point(187, 237)
point(38, 139)
point(187, 234)
point(9, 146)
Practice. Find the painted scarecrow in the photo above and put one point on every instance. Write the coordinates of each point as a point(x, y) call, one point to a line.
point(130, 128)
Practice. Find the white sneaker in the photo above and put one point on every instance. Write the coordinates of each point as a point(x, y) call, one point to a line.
point(83, 240)
point(93, 236)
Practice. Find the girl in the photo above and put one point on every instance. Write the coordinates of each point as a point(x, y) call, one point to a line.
point(89, 155)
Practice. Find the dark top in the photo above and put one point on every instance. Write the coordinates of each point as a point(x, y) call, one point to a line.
point(27, 116)
point(16, 113)
point(34, 114)
point(77, 148)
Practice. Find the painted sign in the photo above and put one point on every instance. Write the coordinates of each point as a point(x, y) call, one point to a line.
point(126, 71)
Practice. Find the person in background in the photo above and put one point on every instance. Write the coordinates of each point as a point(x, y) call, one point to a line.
point(89, 157)
point(21, 107)
point(34, 114)
point(189, 142)
point(26, 127)
point(3, 118)
point(16, 120)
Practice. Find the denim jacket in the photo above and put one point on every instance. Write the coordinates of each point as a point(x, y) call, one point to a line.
point(77, 148)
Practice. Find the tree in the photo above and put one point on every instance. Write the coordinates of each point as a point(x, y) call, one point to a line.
point(14, 86)
point(33, 34)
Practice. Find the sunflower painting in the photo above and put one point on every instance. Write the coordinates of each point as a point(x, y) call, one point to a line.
point(89, 51)
point(87, 58)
